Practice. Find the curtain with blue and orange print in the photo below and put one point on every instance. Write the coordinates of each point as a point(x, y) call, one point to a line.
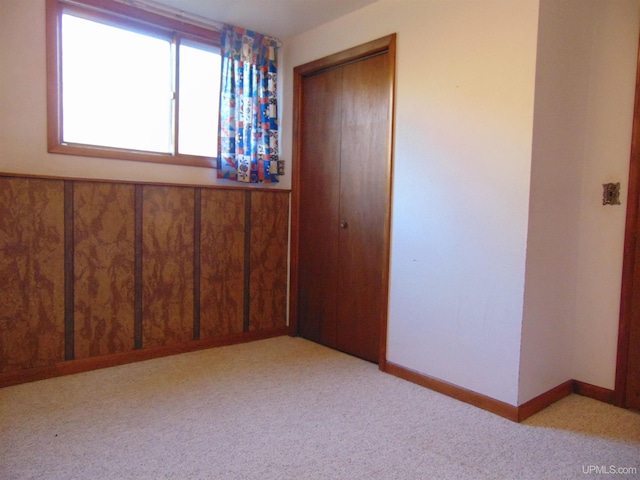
point(248, 107)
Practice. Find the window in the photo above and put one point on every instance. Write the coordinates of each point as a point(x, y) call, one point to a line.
point(129, 84)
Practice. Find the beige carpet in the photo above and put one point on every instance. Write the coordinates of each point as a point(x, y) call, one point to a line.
point(286, 408)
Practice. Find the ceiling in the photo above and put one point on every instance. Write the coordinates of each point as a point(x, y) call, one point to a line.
point(278, 18)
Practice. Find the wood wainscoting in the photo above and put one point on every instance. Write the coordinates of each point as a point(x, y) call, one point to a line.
point(100, 273)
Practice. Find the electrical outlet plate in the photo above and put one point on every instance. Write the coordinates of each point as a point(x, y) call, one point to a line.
point(611, 193)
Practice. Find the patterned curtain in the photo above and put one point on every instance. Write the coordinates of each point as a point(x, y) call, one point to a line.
point(248, 108)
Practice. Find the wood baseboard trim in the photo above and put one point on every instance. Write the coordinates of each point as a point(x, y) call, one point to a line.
point(542, 401)
point(597, 393)
point(94, 363)
point(492, 405)
point(510, 412)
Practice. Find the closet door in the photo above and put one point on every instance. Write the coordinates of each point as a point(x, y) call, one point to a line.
point(320, 139)
point(364, 179)
point(344, 196)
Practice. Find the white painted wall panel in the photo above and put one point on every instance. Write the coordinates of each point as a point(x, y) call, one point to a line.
point(612, 74)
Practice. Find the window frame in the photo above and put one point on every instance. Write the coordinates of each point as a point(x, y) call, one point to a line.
point(114, 13)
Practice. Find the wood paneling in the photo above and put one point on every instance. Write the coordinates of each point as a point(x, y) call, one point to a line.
point(222, 263)
point(167, 265)
point(268, 260)
point(104, 268)
point(98, 273)
point(86, 364)
point(31, 273)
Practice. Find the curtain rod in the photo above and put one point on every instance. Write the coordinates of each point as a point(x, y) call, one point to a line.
point(170, 12)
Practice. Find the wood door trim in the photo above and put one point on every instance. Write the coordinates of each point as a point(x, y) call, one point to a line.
point(382, 45)
point(629, 261)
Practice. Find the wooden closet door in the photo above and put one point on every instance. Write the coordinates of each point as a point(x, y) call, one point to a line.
point(632, 398)
point(627, 390)
point(632, 390)
point(344, 195)
point(320, 136)
point(364, 182)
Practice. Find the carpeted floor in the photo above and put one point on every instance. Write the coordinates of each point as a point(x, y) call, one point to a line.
point(286, 408)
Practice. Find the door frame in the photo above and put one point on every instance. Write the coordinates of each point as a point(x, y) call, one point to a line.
point(630, 264)
point(382, 45)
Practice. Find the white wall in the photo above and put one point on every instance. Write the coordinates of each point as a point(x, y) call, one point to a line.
point(608, 124)
point(582, 135)
point(23, 110)
point(464, 113)
point(562, 90)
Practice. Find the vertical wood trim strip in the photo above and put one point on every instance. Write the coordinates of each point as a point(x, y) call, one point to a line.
point(294, 233)
point(247, 261)
point(137, 306)
point(69, 294)
point(384, 320)
point(197, 235)
point(629, 262)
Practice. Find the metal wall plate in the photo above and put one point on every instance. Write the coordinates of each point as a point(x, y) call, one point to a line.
point(611, 193)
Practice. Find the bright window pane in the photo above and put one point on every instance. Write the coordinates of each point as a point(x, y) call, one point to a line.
point(199, 100)
point(116, 87)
